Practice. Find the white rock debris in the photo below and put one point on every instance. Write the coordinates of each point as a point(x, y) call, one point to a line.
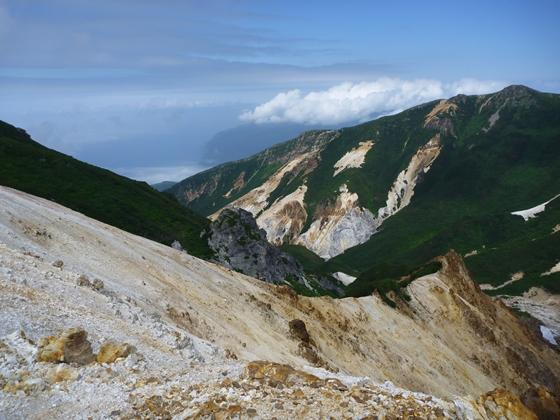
point(355, 158)
point(344, 226)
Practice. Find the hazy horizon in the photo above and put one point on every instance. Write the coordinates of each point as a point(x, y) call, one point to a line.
point(138, 87)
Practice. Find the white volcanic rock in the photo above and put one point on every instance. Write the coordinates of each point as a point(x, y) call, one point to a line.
point(343, 226)
point(354, 158)
point(285, 218)
point(403, 188)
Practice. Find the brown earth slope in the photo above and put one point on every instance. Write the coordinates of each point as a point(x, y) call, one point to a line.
point(186, 317)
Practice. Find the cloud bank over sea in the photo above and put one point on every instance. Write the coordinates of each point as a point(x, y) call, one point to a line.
point(360, 101)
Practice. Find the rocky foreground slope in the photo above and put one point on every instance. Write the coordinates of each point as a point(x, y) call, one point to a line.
point(176, 337)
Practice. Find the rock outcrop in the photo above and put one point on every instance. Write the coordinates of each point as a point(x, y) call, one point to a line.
point(70, 346)
point(240, 245)
point(542, 403)
point(339, 226)
point(109, 352)
point(494, 405)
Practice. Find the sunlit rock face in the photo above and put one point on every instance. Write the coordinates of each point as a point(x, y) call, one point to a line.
point(354, 158)
point(403, 188)
point(344, 225)
point(339, 226)
point(284, 220)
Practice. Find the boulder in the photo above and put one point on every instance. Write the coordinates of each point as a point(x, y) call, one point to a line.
point(98, 284)
point(71, 346)
point(58, 263)
point(541, 402)
point(83, 280)
point(278, 373)
point(109, 352)
point(503, 404)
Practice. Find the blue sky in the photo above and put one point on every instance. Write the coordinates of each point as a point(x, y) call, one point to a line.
point(138, 86)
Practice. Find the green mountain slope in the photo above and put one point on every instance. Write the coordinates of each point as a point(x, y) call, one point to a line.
point(209, 191)
point(129, 205)
point(446, 174)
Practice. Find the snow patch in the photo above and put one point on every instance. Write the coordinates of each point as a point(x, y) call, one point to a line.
point(532, 212)
point(549, 335)
point(344, 278)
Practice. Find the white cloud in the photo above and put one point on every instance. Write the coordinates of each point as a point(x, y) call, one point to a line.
point(350, 102)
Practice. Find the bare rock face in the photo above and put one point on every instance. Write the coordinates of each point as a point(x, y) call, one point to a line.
point(540, 402)
point(240, 245)
point(494, 405)
point(501, 403)
point(70, 346)
point(299, 330)
point(339, 226)
point(109, 352)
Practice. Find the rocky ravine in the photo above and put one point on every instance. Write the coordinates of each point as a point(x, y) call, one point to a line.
point(192, 330)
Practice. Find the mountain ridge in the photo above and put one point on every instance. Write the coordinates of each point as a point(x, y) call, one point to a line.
point(452, 163)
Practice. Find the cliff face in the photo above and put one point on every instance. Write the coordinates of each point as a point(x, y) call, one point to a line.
point(451, 304)
point(339, 226)
point(240, 245)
